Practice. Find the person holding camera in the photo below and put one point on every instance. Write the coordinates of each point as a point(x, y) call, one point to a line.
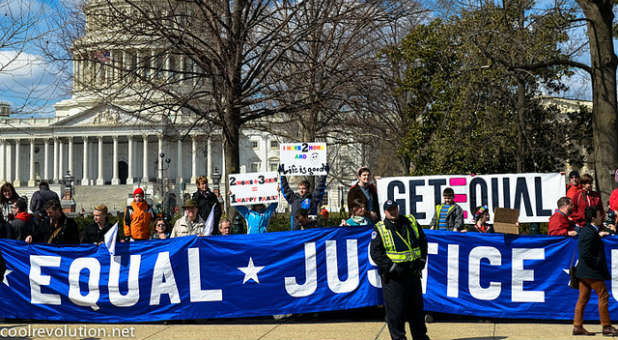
point(399, 248)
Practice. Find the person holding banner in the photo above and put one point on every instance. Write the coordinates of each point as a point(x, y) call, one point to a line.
point(449, 215)
point(399, 248)
point(357, 209)
point(585, 198)
point(206, 199)
point(95, 232)
point(59, 230)
point(191, 223)
point(303, 199)
point(257, 217)
point(366, 192)
point(559, 222)
point(592, 272)
point(574, 185)
point(137, 217)
point(481, 216)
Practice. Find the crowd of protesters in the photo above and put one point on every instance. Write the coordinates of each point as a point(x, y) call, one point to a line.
point(203, 212)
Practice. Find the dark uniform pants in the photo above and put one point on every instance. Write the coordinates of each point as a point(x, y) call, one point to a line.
point(403, 301)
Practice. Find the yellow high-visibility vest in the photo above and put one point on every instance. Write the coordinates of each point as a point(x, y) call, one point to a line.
point(400, 255)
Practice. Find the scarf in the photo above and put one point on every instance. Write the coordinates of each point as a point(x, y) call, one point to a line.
point(24, 216)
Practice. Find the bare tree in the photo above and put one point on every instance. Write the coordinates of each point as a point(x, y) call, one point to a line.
point(19, 34)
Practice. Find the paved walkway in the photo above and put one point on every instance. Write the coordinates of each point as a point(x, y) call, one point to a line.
point(369, 330)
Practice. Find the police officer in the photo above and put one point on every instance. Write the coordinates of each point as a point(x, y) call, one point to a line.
point(399, 248)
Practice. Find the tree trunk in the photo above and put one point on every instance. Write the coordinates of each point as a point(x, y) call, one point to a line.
point(604, 111)
point(521, 121)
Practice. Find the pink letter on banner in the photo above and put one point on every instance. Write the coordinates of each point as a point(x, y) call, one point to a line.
point(460, 198)
point(457, 181)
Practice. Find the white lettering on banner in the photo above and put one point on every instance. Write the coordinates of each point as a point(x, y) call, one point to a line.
point(474, 275)
point(75, 295)
point(163, 281)
point(37, 279)
point(432, 249)
point(332, 269)
point(372, 274)
point(197, 294)
point(311, 275)
point(132, 295)
point(452, 271)
point(519, 274)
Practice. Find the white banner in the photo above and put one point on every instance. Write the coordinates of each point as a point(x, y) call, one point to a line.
point(303, 159)
point(253, 188)
point(535, 195)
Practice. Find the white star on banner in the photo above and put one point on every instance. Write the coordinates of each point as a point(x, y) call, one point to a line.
point(251, 271)
point(6, 273)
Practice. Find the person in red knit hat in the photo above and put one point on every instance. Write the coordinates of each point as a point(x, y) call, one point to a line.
point(137, 217)
point(559, 223)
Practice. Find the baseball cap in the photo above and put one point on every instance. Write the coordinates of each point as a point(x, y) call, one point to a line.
point(390, 204)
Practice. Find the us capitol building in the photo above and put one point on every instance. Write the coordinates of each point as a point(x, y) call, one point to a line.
point(108, 152)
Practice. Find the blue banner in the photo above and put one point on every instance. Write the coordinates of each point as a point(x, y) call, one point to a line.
point(487, 275)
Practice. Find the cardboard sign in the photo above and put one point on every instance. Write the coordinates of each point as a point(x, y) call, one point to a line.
point(253, 188)
point(505, 221)
point(303, 159)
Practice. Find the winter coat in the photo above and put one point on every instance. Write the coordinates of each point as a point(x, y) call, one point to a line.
point(257, 223)
point(205, 201)
point(592, 263)
point(309, 201)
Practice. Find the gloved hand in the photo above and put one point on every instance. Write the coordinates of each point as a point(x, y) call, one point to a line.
point(281, 169)
point(396, 270)
point(417, 266)
point(326, 168)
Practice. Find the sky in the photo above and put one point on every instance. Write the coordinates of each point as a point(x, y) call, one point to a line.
point(32, 84)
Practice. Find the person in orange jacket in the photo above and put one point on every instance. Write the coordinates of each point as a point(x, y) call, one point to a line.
point(137, 217)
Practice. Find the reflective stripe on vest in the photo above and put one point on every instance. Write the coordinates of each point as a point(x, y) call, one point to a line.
point(438, 208)
point(408, 255)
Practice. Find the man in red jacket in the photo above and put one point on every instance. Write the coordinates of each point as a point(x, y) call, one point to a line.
point(559, 223)
point(584, 199)
point(574, 185)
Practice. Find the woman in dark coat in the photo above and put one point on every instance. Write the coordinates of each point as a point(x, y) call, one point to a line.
point(591, 270)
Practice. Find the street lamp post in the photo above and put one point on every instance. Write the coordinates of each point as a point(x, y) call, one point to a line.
point(67, 202)
point(163, 184)
point(216, 178)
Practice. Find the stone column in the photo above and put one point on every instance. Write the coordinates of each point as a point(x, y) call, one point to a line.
point(145, 172)
point(100, 180)
point(115, 180)
point(223, 169)
point(138, 62)
point(2, 173)
point(85, 179)
point(209, 160)
point(17, 181)
point(31, 179)
point(60, 161)
point(265, 160)
point(179, 178)
point(161, 160)
point(70, 158)
point(193, 158)
point(46, 146)
point(130, 159)
point(55, 163)
point(8, 161)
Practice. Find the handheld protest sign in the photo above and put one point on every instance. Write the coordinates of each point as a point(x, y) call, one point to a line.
point(303, 159)
point(253, 188)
